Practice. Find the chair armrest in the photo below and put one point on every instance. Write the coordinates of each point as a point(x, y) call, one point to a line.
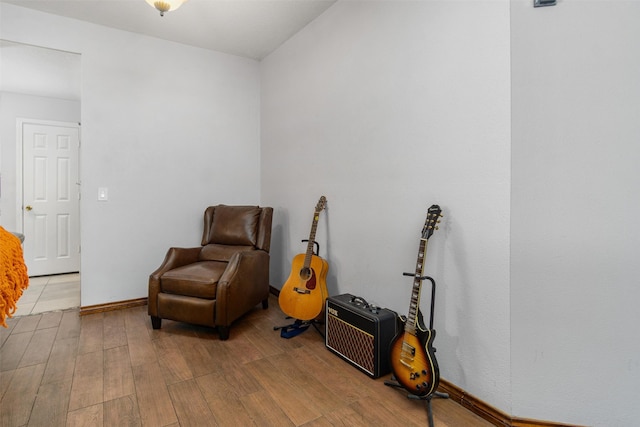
point(244, 283)
point(176, 257)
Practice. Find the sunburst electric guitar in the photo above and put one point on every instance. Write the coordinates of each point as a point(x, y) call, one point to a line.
point(412, 355)
point(304, 293)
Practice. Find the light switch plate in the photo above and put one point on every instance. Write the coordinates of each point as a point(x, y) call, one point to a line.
point(103, 194)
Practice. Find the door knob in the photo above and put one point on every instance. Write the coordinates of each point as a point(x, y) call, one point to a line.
point(28, 207)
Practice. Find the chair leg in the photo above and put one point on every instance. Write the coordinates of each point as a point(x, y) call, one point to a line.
point(156, 322)
point(265, 303)
point(223, 332)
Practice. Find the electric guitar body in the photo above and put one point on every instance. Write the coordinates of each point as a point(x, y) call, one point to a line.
point(304, 293)
point(412, 355)
point(413, 360)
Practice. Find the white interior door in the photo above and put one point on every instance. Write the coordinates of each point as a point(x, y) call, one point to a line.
point(50, 197)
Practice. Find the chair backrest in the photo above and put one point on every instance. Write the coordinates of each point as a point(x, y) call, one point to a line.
point(238, 226)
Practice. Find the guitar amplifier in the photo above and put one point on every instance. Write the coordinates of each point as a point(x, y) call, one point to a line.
point(360, 333)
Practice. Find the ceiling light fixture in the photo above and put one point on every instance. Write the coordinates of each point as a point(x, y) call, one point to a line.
point(165, 5)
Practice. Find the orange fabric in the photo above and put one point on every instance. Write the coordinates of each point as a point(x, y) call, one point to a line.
point(13, 274)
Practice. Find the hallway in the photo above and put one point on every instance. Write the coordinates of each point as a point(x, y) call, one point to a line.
point(50, 293)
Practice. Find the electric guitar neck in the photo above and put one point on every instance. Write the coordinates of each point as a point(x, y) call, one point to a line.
point(412, 355)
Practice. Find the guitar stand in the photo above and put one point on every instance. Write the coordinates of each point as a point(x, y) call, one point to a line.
point(433, 294)
point(427, 399)
point(299, 326)
point(394, 383)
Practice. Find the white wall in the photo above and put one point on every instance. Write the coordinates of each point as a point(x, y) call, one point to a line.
point(33, 70)
point(387, 108)
point(169, 129)
point(575, 284)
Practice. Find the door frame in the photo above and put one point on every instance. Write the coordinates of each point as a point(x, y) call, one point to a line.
point(20, 122)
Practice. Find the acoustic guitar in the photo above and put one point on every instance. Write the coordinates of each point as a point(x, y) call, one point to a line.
point(412, 355)
point(304, 293)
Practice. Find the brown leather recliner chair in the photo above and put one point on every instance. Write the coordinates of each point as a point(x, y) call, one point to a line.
point(224, 278)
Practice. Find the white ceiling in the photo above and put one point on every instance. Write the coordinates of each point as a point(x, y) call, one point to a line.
point(249, 28)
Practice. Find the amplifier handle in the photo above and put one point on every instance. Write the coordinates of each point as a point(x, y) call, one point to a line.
point(361, 301)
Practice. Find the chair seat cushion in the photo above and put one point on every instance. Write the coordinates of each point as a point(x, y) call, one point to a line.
point(199, 279)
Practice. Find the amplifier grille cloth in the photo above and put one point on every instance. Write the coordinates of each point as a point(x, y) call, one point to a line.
point(353, 343)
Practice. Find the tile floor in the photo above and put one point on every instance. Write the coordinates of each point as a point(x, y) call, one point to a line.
point(50, 293)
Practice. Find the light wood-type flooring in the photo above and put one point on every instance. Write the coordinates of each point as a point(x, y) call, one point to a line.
point(113, 369)
point(50, 293)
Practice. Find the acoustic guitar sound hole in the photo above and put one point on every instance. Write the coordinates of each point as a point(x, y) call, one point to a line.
point(306, 274)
